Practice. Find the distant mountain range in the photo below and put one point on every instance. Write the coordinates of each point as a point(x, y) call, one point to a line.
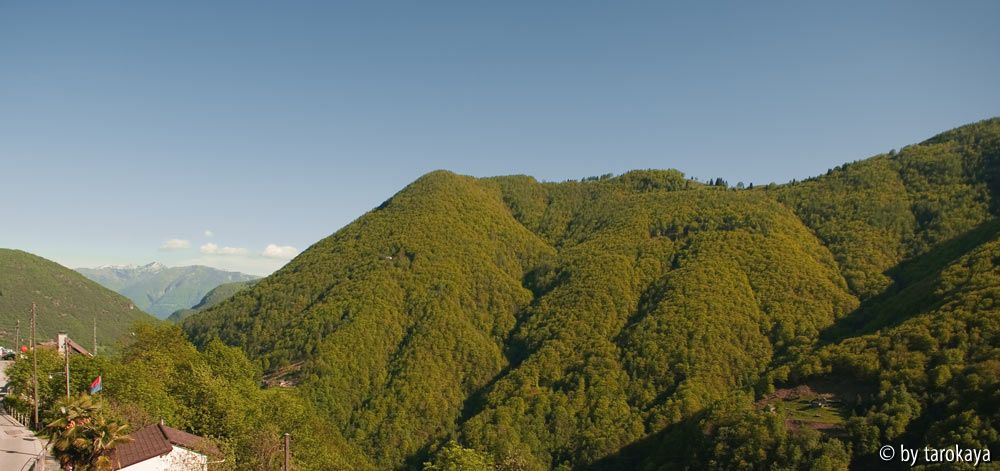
point(66, 301)
point(161, 290)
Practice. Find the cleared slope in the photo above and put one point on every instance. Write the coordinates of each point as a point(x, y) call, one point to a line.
point(66, 300)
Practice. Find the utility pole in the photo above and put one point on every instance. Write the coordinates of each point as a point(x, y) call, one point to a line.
point(288, 451)
point(95, 336)
point(66, 354)
point(17, 336)
point(34, 364)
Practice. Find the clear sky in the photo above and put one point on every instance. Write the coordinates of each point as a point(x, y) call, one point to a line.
point(124, 125)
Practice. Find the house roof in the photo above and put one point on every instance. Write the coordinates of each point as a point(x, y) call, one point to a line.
point(54, 344)
point(147, 442)
point(190, 441)
point(77, 347)
point(155, 440)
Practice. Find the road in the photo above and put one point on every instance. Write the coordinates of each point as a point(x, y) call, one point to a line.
point(18, 446)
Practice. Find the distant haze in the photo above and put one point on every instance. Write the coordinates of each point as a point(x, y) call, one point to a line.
point(161, 290)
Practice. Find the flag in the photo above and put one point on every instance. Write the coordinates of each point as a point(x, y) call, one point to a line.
point(95, 386)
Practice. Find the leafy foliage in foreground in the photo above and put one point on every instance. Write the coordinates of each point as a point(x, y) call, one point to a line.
point(599, 322)
point(214, 393)
point(82, 436)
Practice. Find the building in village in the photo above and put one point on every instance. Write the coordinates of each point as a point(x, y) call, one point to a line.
point(62, 342)
point(161, 448)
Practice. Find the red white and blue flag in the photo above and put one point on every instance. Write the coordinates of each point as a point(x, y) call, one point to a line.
point(95, 386)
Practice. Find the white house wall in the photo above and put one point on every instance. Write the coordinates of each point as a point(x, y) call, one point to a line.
point(179, 459)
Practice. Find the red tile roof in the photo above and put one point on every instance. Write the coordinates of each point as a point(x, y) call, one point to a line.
point(155, 440)
point(77, 347)
point(190, 441)
point(147, 442)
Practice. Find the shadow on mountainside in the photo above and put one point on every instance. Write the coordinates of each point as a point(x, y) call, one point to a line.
point(912, 291)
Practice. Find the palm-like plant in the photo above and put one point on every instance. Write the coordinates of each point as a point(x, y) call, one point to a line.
point(82, 436)
point(106, 434)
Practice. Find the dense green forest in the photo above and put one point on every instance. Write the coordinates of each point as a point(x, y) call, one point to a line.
point(643, 321)
point(215, 296)
point(215, 393)
point(66, 301)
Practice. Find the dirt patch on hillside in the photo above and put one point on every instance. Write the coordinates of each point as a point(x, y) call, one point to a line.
point(284, 377)
point(820, 405)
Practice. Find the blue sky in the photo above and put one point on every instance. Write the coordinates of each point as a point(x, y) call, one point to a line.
point(127, 124)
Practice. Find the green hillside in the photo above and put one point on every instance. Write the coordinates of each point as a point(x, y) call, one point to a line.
point(161, 290)
point(215, 296)
point(650, 321)
point(66, 301)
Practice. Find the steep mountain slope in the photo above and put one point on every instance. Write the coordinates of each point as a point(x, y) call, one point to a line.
point(663, 302)
point(409, 308)
point(215, 296)
point(443, 303)
point(875, 213)
point(66, 301)
point(600, 322)
point(935, 363)
point(161, 290)
point(916, 235)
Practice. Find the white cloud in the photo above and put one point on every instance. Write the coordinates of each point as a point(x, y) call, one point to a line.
point(213, 249)
point(209, 233)
point(280, 251)
point(175, 244)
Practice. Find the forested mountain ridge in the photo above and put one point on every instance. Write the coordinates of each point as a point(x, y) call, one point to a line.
point(66, 302)
point(599, 322)
point(877, 212)
point(215, 296)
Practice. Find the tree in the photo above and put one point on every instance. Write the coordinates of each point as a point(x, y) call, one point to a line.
point(454, 457)
point(82, 436)
point(50, 387)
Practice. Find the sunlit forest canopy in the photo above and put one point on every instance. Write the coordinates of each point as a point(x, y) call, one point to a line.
point(649, 320)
